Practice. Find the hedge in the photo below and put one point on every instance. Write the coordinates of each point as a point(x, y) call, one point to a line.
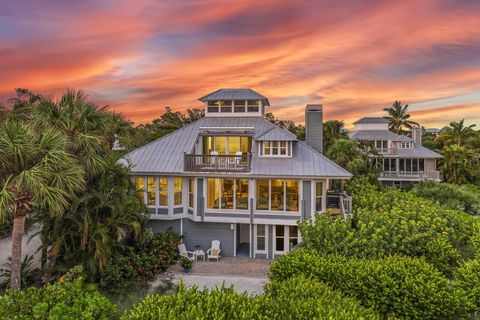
point(394, 286)
point(296, 298)
point(467, 278)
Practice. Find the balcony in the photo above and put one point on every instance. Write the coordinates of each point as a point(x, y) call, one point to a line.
point(386, 150)
point(420, 175)
point(217, 163)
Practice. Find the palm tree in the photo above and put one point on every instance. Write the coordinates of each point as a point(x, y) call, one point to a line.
point(457, 133)
point(23, 104)
point(36, 172)
point(398, 117)
point(458, 163)
point(82, 122)
point(332, 131)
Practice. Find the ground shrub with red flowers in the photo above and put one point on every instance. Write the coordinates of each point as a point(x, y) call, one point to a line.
point(151, 255)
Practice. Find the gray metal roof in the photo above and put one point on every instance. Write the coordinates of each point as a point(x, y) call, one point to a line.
point(418, 151)
point(371, 120)
point(235, 94)
point(377, 135)
point(277, 134)
point(165, 155)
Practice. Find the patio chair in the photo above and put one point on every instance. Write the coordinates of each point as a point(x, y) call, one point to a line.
point(184, 253)
point(214, 251)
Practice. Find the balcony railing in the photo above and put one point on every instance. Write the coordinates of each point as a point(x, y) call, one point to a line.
point(386, 150)
point(432, 175)
point(341, 201)
point(217, 163)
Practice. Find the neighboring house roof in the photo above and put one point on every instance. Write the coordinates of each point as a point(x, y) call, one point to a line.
point(235, 94)
point(371, 120)
point(377, 135)
point(277, 134)
point(165, 155)
point(418, 151)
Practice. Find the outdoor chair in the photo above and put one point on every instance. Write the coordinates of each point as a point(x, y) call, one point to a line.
point(184, 253)
point(214, 251)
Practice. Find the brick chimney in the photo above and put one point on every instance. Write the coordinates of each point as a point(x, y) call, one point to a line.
point(314, 126)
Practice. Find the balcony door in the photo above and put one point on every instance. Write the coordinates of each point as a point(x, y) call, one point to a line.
point(226, 144)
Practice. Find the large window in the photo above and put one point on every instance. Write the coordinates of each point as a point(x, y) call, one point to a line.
point(280, 238)
point(163, 191)
point(147, 190)
point(277, 195)
point(389, 164)
point(318, 196)
point(285, 238)
point(405, 145)
point(293, 236)
point(191, 192)
point(151, 191)
point(261, 238)
point(226, 145)
point(253, 105)
point(411, 165)
point(177, 189)
point(275, 148)
point(213, 106)
point(140, 187)
point(237, 106)
point(227, 194)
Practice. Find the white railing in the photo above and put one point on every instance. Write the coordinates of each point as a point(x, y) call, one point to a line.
point(345, 205)
point(434, 175)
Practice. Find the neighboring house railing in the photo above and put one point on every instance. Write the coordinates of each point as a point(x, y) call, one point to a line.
point(434, 175)
point(217, 163)
point(386, 150)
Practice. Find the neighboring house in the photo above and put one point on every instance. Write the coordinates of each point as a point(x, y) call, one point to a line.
point(405, 160)
point(233, 176)
point(433, 131)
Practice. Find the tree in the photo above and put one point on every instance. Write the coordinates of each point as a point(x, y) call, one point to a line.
point(332, 131)
point(398, 118)
point(23, 104)
point(36, 172)
point(457, 133)
point(459, 163)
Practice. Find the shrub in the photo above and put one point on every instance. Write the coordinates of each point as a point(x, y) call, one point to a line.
point(27, 271)
point(468, 279)
point(69, 300)
point(151, 255)
point(186, 263)
point(296, 298)
point(395, 286)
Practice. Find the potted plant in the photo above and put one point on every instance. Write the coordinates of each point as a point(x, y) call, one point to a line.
point(186, 264)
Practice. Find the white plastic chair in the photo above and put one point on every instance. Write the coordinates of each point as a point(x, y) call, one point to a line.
point(184, 253)
point(238, 157)
point(214, 251)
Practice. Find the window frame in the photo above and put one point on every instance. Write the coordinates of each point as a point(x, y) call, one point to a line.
point(220, 194)
point(265, 237)
point(175, 191)
point(286, 238)
point(284, 200)
point(266, 149)
point(191, 193)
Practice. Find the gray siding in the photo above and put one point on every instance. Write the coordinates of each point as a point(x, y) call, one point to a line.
point(152, 211)
point(162, 211)
point(178, 210)
point(163, 225)
point(202, 233)
point(200, 206)
point(314, 126)
point(307, 200)
point(270, 241)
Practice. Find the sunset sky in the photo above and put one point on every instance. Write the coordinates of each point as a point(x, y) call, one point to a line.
point(354, 57)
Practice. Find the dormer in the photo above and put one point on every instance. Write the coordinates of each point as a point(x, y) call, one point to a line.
point(371, 123)
point(234, 103)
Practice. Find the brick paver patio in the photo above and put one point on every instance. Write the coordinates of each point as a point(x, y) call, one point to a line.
point(229, 266)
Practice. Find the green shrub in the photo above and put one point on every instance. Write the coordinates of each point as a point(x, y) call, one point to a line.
point(395, 286)
point(468, 279)
point(459, 197)
point(68, 300)
point(296, 298)
point(391, 221)
point(151, 255)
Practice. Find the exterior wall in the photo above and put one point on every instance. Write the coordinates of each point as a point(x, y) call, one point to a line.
point(430, 165)
point(370, 126)
point(164, 225)
point(202, 233)
point(307, 200)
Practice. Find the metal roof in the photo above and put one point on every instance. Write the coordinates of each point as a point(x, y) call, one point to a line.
point(418, 151)
point(277, 134)
point(377, 135)
point(371, 120)
point(235, 94)
point(165, 155)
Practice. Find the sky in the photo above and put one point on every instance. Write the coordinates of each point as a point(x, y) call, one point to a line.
point(354, 57)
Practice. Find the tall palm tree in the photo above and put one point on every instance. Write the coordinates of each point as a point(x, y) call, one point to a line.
point(82, 122)
point(332, 131)
point(457, 133)
point(36, 172)
point(398, 118)
point(458, 163)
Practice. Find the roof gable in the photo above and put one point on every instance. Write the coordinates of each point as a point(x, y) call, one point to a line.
point(235, 94)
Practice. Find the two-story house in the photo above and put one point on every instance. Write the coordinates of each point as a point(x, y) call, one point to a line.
point(404, 159)
point(233, 176)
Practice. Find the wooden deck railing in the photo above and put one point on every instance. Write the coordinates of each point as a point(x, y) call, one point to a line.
point(217, 163)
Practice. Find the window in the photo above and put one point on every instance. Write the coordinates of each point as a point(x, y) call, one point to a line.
point(140, 187)
point(239, 106)
point(227, 194)
point(163, 191)
point(293, 235)
point(261, 238)
point(226, 145)
point(151, 191)
point(233, 145)
point(252, 105)
point(226, 106)
point(221, 145)
point(177, 191)
point(213, 106)
point(278, 195)
point(283, 148)
point(292, 190)
point(279, 238)
point(408, 166)
point(274, 148)
point(405, 145)
point(262, 194)
point(421, 164)
point(245, 144)
point(266, 148)
point(191, 192)
point(241, 194)
point(318, 196)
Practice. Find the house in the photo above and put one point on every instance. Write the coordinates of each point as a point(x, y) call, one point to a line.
point(433, 131)
point(404, 159)
point(234, 176)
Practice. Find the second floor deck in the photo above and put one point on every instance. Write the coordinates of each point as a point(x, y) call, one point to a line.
point(239, 162)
